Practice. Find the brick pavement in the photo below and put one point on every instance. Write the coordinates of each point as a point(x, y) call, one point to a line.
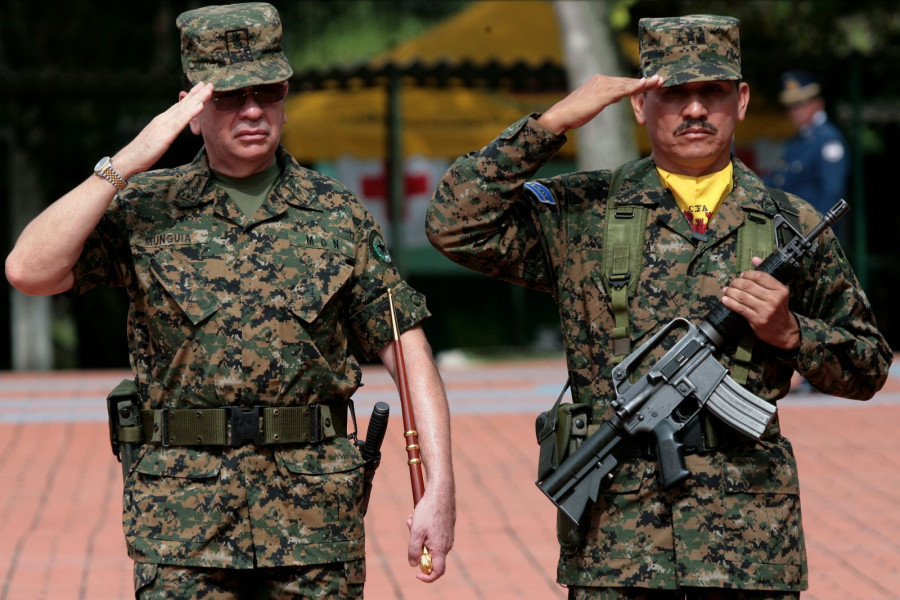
point(60, 496)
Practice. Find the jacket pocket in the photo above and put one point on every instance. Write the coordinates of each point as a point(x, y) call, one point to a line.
point(171, 495)
point(324, 274)
point(325, 491)
point(762, 521)
point(182, 302)
point(618, 525)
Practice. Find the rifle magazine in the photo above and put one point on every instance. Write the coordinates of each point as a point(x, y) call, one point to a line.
point(740, 409)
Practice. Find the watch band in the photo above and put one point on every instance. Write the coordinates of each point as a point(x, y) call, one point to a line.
point(107, 172)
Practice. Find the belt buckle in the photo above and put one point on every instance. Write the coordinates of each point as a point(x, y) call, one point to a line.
point(164, 428)
point(315, 423)
point(244, 425)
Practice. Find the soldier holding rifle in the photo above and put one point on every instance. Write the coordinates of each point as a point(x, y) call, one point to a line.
point(247, 276)
point(625, 252)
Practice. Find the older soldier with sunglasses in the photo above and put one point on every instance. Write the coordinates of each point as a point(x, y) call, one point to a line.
point(248, 276)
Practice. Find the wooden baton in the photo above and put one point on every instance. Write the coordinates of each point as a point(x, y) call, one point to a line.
point(414, 460)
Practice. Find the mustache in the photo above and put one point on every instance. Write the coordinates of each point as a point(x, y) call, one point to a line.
point(695, 124)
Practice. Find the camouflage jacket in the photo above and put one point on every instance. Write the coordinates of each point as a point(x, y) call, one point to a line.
point(736, 521)
point(231, 310)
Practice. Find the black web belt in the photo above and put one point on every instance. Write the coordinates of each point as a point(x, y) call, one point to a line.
point(236, 426)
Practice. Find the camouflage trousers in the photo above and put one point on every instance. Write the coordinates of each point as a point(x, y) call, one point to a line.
point(337, 581)
point(583, 593)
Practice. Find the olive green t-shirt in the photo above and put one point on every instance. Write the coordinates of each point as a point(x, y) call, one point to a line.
point(249, 193)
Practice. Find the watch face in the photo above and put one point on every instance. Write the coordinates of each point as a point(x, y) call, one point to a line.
point(102, 164)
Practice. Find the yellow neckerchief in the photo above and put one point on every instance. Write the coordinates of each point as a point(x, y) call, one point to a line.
point(699, 197)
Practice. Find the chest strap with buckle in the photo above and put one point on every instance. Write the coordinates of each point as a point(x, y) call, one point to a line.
point(236, 426)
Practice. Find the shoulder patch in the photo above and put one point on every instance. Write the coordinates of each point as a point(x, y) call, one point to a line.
point(833, 151)
point(379, 248)
point(844, 265)
point(541, 192)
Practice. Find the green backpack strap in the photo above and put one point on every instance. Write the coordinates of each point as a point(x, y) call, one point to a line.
point(757, 238)
point(623, 243)
point(623, 255)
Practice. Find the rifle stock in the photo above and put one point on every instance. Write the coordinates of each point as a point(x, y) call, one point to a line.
point(672, 393)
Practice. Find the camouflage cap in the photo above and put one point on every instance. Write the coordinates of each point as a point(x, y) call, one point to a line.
point(692, 48)
point(233, 46)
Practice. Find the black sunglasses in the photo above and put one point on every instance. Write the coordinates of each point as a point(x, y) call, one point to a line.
point(234, 99)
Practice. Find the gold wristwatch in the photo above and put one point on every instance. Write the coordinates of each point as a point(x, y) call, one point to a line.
point(105, 170)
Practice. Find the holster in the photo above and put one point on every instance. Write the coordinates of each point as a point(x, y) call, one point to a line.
point(560, 431)
point(368, 478)
point(125, 433)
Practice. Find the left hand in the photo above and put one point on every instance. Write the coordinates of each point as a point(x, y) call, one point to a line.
point(763, 301)
point(431, 525)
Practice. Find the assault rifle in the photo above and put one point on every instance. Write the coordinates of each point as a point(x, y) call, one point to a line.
point(670, 395)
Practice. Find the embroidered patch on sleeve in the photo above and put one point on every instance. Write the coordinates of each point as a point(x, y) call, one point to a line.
point(379, 248)
point(541, 192)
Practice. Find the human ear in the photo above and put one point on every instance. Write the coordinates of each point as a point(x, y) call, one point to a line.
point(743, 100)
point(194, 123)
point(637, 104)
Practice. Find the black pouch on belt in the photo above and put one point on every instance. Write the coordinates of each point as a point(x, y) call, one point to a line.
point(371, 448)
point(559, 433)
point(125, 433)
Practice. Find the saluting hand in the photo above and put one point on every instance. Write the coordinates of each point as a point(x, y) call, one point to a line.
point(588, 100)
point(153, 141)
point(763, 301)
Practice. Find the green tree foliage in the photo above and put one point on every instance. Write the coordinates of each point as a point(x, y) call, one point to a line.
point(337, 33)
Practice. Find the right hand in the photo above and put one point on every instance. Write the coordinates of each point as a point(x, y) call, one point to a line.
point(153, 141)
point(586, 102)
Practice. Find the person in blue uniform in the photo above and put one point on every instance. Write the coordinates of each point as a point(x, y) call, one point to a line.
point(815, 162)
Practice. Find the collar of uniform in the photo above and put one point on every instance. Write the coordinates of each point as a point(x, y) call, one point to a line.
point(817, 120)
point(640, 185)
point(298, 187)
point(750, 191)
point(196, 187)
point(749, 196)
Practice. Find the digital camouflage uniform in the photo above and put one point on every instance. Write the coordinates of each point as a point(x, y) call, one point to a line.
point(735, 523)
point(231, 310)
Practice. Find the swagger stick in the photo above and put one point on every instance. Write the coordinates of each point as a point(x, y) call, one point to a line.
point(409, 428)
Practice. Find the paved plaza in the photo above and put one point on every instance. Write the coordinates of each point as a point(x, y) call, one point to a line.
point(60, 490)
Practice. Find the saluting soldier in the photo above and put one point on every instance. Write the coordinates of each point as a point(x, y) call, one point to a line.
point(247, 276)
point(733, 529)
